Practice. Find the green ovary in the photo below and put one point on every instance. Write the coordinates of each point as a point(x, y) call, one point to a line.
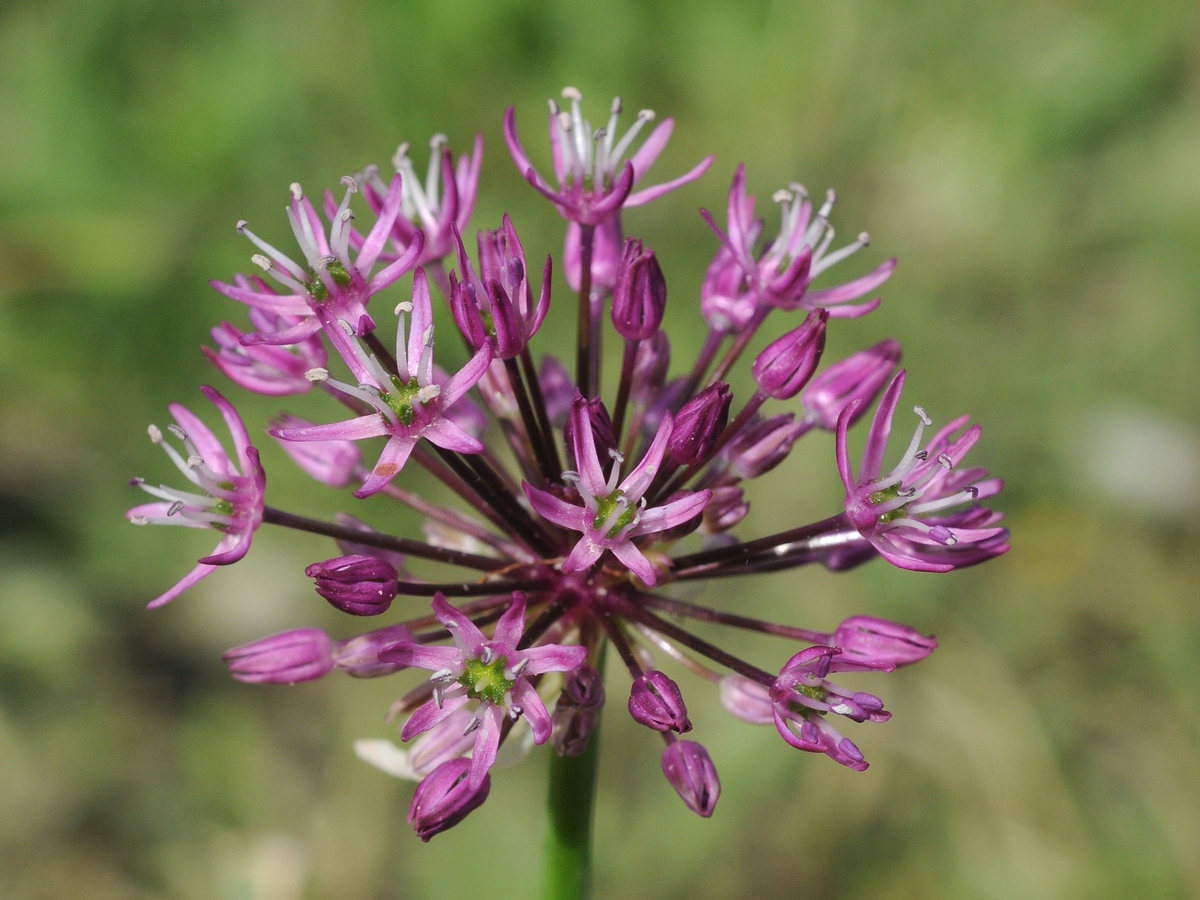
point(886, 496)
point(485, 681)
point(605, 507)
point(400, 399)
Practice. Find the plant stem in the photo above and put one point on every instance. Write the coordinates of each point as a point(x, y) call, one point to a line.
point(571, 803)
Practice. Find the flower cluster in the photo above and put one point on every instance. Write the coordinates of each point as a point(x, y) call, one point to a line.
point(608, 503)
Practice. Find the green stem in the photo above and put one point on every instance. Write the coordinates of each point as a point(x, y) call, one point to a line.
point(571, 802)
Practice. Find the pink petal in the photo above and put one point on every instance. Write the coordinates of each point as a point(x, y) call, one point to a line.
point(881, 428)
point(378, 235)
point(638, 481)
point(634, 560)
point(445, 434)
point(466, 634)
point(512, 624)
point(651, 148)
point(643, 197)
point(422, 656)
point(852, 290)
point(351, 430)
point(395, 454)
point(674, 513)
point(487, 742)
point(197, 574)
point(427, 715)
point(206, 443)
point(524, 166)
point(583, 556)
point(467, 377)
point(554, 658)
point(533, 709)
point(555, 509)
point(231, 548)
point(237, 428)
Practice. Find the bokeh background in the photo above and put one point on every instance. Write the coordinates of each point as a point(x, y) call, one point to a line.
point(1034, 165)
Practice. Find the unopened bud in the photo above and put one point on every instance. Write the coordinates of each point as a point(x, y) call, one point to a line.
point(577, 711)
point(640, 295)
point(287, 658)
point(785, 366)
point(699, 423)
point(445, 798)
point(655, 701)
point(359, 656)
point(691, 772)
point(870, 643)
point(359, 585)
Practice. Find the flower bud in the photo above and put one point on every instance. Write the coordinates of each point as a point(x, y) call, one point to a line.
point(359, 656)
point(329, 462)
point(726, 508)
point(655, 701)
point(640, 295)
point(763, 445)
point(870, 643)
point(699, 423)
point(690, 771)
point(577, 711)
point(650, 367)
point(287, 658)
point(859, 377)
point(785, 366)
point(359, 585)
point(747, 700)
point(445, 798)
point(606, 255)
point(724, 301)
point(514, 317)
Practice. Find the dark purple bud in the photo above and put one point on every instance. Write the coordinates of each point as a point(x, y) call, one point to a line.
point(690, 771)
point(577, 711)
point(287, 658)
point(785, 366)
point(655, 701)
point(763, 445)
point(445, 798)
point(870, 643)
point(727, 507)
point(359, 656)
point(359, 585)
point(558, 390)
point(860, 377)
point(602, 430)
point(329, 462)
point(640, 295)
point(650, 367)
point(699, 423)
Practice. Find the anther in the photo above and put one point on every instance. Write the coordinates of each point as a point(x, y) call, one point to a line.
point(195, 462)
point(973, 491)
point(347, 215)
point(241, 225)
point(472, 726)
point(400, 156)
point(616, 454)
point(646, 115)
point(946, 462)
point(798, 189)
point(349, 183)
point(865, 239)
point(317, 374)
point(570, 93)
point(297, 191)
point(261, 261)
point(564, 120)
point(438, 141)
point(178, 432)
point(155, 434)
point(442, 675)
point(923, 416)
point(427, 393)
point(487, 656)
point(174, 507)
point(907, 492)
point(615, 108)
point(136, 482)
point(519, 669)
point(782, 196)
point(831, 197)
point(921, 455)
point(439, 696)
point(404, 306)
point(138, 520)
point(514, 712)
point(346, 327)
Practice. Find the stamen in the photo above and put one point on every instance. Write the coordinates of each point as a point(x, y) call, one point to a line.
point(297, 191)
point(570, 93)
point(514, 712)
point(519, 669)
point(156, 435)
point(317, 375)
point(175, 507)
point(945, 461)
point(442, 675)
point(439, 696)
point(427, 393)
point(924, 416)
point(487, 656)
point(472, 726)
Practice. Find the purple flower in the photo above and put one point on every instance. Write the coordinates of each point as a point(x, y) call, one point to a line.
point(359, 656)
point(858, 377)
point(265, 369)
point(329, 281)
point(498, 307)
point(490, 671)
point(762, 445)
point(359, 585)
point(409, 406)
point(435, 209)
point(446, 797)
point(593, 181)
point(690, 771)
point(287, 658)
point(613, 512)
point(892, 511)
point(656, 702)
point(699, 423)
point(871, 644)
point(232, 491)
point(798, 254)
point(329, 462)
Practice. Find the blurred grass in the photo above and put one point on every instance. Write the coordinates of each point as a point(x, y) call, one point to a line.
point(1035, 167)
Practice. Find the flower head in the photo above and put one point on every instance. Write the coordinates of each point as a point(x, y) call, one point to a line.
point(328, 281)
point(230, 495)
point(409, 405)
point(893, 511)
point(491, 672)
point(613, 511)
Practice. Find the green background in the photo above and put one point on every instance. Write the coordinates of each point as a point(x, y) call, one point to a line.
point(1036, 168)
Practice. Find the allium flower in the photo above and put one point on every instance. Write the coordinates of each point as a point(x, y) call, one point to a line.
point(409, 405)
point(594, 178)
point(798, 254)
point(435, 209)
point(596, 555)
point(613, 512)
point(491, 671)
point(231, 489)
point(892, 511)
point(329, 281)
